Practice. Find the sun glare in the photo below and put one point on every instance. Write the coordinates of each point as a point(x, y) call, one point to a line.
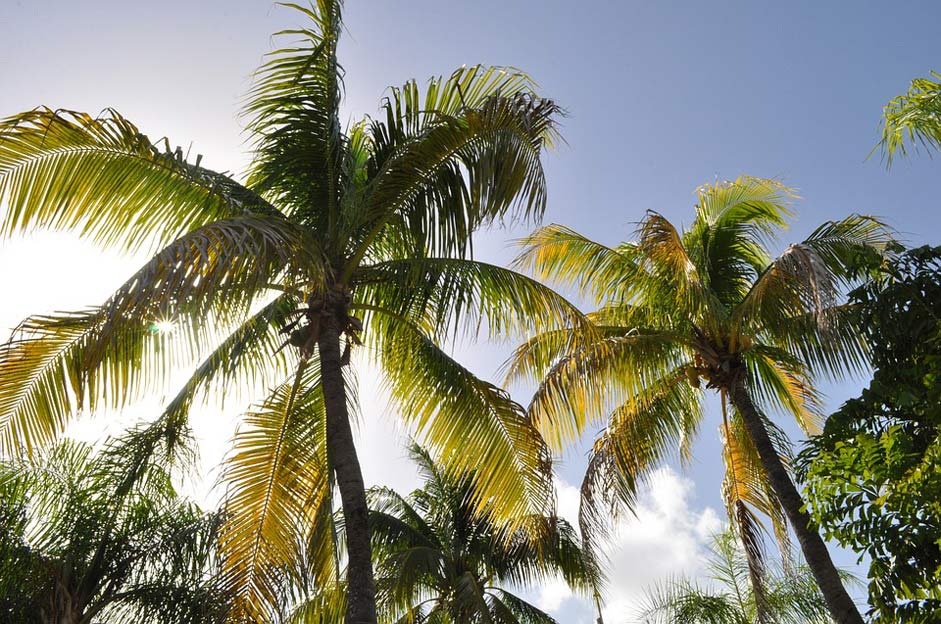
point(163, 327)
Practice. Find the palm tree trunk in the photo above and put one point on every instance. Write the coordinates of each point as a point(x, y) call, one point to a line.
point(840, 605)
point(361, 588)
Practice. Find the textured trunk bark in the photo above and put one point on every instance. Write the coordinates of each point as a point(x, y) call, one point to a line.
point(841, 606)
point(361, 588)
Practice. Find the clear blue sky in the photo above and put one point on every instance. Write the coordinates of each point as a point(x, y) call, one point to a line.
point(662, 97)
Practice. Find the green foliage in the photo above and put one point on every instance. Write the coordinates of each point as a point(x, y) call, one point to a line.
point(369, 225)
point(874, 476)
point(439, 560)
point(727, 598)
point(682, 312)
point(103, 537)
point(913, 119)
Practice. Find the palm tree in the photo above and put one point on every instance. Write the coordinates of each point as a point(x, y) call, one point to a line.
point(791, 596)
point(439, 560)
point(686, 311)
point(913, 118)
point(337, 236)
point(103, 537)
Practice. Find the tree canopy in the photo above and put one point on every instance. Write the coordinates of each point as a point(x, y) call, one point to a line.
point(873, 478)
point(103, 536)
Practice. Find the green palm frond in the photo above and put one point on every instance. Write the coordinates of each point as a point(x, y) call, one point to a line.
point(569, 399)
point(113, 538)
point(439, 559)
point(507, 608)
point(913, 118)
point(830, 351)
point(561, 255)
point(293, 112)
point(669, 273)
point(408, 110)
point(843, 244)
point(460, 173)
point(683, 601)
point(103, 178)
point(781, 384)
point(277, 479)
point(472, 425)
point(791, 597)
point(448, 295)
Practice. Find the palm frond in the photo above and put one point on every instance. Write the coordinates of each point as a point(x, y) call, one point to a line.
point(508, 608)
point(913, 118)
point(641, 432)
point(473, 426)
point(668, 273)
point(293, 113)
point(56, 364)
point(463, 171)
point(448, 295)
point(569, 397)
point(247, 359)
point(683, 601)
point(104, 179)
point(561, 255)
point(277, 479)
point(780, 382)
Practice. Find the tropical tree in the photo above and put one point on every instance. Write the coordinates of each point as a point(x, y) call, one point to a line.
point(873, 477)
point(707, 308)
point(439, 560)
point(791, 597)
point(913, 119)
point(337, 236)
point(92, 537)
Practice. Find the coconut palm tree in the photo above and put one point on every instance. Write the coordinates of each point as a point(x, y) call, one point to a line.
point(439, 560)
point(103, 537)
point(791, 596)
point(338, 236)
point(707, 308)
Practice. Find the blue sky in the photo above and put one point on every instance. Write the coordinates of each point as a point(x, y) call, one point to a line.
point(662, 97)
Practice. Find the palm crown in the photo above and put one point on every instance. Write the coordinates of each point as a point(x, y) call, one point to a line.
point(103, 536)
point(708, 307)
point(439, 560)
point(338, 237)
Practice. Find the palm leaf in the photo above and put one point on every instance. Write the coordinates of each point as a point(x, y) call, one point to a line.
point(447, 295)
point(559, 254)
point(293, 113)
point(277, 481)
point(473, 426)
point(102, 178)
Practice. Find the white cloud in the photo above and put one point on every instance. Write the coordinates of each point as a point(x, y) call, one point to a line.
point(667, 537)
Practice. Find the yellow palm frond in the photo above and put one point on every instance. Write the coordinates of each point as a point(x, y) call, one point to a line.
point(781, 383)
point(558, 254)
point(472, 426)
point(447, 296)
point(641, 433)
point(102, 178)
point(745, 487)
point(278, 482)
point(570, 398)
